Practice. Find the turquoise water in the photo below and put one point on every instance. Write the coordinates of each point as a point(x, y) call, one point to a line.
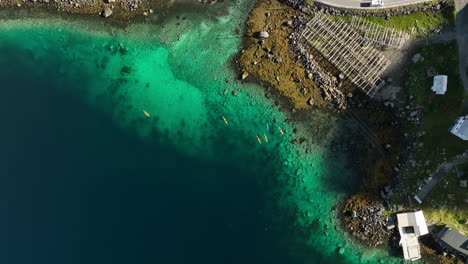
point(268, 202)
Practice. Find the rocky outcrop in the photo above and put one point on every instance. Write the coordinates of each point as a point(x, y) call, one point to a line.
point(107, 12)
point(119, 9)
point(272, 61)
point(326, 81)
point(364, 218)
point(261, 35)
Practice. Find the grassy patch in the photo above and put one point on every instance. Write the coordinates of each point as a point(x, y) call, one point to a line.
point(418, 23)
point(444, 59)
point(440, 111)
point(442, 210)
point(438, 144)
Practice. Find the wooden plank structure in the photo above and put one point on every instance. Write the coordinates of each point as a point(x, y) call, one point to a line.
point(347, 50)
point(380, 36)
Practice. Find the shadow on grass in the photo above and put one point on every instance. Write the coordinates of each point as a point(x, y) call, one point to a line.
point(462, 33)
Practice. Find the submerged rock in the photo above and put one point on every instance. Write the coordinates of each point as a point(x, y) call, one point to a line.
point(126, 70)
point(341, 251)
point(244, 75)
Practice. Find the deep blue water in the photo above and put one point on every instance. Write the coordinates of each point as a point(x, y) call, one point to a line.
point(74, 188)
point(84, 177)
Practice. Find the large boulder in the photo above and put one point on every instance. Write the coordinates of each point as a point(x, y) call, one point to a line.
point(417, 57)
point(261, 34)
point(107, 12)
point(244, 75)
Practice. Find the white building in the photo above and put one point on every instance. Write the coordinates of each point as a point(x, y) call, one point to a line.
point(440, 84)
point(411, 226)
point(460, 129)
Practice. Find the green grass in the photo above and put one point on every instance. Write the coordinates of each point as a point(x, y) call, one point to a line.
point(450, 185)
point(440, 112)
point(442, 210)
point(418, 23)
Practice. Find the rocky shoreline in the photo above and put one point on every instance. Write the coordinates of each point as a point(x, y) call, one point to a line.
point(364, 217)
point(262, 57)
point(123, 10)
point(267, 56)
point(369, 214)
point(293, 71)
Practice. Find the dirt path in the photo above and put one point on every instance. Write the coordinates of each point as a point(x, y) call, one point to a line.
point(461, 6)
point(440, 174)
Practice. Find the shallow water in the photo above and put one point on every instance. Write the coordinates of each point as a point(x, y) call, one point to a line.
point(89, 178)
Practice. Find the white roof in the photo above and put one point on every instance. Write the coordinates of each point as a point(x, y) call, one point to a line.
point(440, 84)
point(411, 225)
point(460, 129)
point(411, 249)
point(413, 219)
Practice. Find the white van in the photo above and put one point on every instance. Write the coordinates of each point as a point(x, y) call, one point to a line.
point(376, 3)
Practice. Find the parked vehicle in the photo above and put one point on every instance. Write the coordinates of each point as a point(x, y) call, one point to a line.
point(376, 3)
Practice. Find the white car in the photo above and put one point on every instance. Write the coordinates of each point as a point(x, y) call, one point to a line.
point(376, 3)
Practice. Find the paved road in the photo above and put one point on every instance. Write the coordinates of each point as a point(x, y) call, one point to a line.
point(364, 4)
point(461, 7)
point(439, 175)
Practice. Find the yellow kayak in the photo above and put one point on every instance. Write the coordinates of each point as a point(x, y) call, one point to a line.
point(259, 140)
point(225, 120)
point(146, 113)
point(281, 130)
